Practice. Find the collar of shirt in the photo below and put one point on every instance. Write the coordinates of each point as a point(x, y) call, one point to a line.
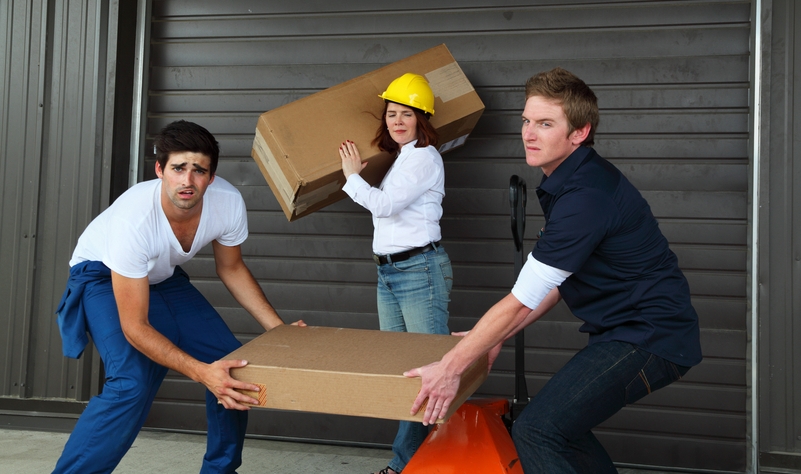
point(403, 152)
point(552, 184)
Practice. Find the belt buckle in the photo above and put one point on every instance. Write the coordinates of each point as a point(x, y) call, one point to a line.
point(376, 259)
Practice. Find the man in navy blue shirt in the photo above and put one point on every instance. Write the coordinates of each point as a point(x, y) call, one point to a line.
point(601, 251)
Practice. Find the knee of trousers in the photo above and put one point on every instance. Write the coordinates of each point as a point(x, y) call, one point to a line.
point(536, 432)
point(128, 390)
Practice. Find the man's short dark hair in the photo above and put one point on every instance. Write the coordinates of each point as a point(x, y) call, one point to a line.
point(578, 100)
point(181, 136)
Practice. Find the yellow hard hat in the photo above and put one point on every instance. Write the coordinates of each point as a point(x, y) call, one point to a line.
point(412, 90)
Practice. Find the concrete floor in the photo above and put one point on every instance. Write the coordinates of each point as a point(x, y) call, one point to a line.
point(36, 452)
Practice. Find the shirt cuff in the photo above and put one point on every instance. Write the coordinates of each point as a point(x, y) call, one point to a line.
point(353, 183)
point(536, 280)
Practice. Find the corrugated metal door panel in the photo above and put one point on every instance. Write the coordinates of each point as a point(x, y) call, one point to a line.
point(779, 200)
point(255, 18)
point(276, 84)
point(672, 81)
point(163, 8)
point(75, 140)
point(715, 313)
point(54, 107)
point(555, 45)
point(20, 31)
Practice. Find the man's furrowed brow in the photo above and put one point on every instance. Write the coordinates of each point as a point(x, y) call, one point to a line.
point(198, 167)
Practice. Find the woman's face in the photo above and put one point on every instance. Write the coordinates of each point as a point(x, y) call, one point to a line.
point(401, 123)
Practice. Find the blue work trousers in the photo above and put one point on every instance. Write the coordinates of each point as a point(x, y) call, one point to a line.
point(553, 435)
point(112, 420)
point(413, 296)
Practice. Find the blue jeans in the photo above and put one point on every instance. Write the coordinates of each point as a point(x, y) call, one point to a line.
point(109, 425)
point(553, 435)
point(413, 296)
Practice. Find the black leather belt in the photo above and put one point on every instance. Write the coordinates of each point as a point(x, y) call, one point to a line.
point(401, 256)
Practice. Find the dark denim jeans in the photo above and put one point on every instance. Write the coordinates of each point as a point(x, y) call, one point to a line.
point(552, 434)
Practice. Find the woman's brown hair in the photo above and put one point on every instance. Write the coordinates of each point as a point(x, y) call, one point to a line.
point(426, 134)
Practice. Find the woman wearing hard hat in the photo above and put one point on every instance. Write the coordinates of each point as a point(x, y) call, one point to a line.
point(414, 272)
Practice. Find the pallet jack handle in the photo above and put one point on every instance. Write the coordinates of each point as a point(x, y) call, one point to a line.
point(476, 438)
point(517, 203)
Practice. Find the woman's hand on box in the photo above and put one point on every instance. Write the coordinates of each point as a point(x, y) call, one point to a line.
point(351, 160)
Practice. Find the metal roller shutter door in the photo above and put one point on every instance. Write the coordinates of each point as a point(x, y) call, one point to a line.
point(672, 80)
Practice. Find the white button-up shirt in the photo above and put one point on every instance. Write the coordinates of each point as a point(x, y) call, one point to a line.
point(407, 206)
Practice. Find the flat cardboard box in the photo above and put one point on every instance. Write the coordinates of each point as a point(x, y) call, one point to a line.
point(340, 371)
point(296, 145)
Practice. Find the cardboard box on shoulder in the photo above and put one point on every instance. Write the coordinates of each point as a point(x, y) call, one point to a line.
point(301, 162)
point(346, 371)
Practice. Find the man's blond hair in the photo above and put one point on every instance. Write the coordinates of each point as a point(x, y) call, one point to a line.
point(577, 99)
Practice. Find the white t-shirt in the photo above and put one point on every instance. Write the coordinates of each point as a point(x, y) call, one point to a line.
point(407, 206)
point(133, 237)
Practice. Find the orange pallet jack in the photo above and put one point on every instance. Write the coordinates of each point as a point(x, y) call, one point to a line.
point(476, 439)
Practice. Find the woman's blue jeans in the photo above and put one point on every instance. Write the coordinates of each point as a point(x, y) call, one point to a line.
point(413, 296)
point(553, 435)
point(111, 421)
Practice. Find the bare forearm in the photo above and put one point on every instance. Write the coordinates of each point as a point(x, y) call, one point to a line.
point(161, 350)
point(505, 319)
point(215, 376)
point(550, 300)
point(499, 323)
point(132, 297)
point(247, 292)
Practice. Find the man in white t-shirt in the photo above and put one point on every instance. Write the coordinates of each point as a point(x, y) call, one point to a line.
point(127, 290)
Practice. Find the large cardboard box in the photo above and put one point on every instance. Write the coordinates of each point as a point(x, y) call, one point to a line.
point(296, 145)
point(346, 371)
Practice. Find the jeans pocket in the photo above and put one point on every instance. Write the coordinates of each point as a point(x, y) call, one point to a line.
point(655, 374)
point(447, 274)
point(414, 264)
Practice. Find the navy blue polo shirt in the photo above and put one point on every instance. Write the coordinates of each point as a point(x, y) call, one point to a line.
point(626, 283)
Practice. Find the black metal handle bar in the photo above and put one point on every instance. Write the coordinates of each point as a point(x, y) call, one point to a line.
point(517, 203)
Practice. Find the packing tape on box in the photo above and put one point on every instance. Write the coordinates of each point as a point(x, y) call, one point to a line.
point(271, 165)
point(449, 82)
point(313, 197)
point(452, 144)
